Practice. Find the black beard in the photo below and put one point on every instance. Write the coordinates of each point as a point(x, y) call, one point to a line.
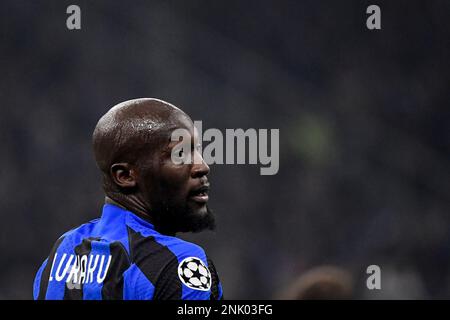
point(172, 219)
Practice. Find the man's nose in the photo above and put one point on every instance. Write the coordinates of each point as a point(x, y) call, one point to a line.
point(199, 169)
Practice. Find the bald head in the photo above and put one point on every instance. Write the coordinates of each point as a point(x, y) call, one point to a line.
point(132, 126)
point(133, 148)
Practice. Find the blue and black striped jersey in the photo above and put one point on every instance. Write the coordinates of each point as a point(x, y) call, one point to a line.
point(122, 256)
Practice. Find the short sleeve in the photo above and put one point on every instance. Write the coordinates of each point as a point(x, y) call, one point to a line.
point(191, 277)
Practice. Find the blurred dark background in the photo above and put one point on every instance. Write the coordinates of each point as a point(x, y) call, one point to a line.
point(363, 116)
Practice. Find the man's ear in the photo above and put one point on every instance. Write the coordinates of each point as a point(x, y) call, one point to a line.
point(123, 175)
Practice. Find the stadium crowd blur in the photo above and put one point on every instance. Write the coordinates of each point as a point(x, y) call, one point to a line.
point(364, 132)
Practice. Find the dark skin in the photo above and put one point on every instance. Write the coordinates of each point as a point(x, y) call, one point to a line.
point(133, 148)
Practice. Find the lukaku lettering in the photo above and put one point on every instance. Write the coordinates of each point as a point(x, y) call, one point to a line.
point(80, 269)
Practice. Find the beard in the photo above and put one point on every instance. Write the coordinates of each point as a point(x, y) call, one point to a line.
point(170, 219)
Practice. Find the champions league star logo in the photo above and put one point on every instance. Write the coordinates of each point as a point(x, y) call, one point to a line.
point(194, 274)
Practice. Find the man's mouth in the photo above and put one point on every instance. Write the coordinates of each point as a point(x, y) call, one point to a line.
point(200, 195)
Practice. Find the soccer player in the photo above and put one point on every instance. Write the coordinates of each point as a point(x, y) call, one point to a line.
point(131, 251)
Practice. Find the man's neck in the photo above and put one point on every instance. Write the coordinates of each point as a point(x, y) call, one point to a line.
point(133, 205)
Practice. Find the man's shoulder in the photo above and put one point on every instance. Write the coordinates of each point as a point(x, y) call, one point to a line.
point(78, 233)
point(171, 247)
point(174, 268)
point(183, 249)
point(92, 236)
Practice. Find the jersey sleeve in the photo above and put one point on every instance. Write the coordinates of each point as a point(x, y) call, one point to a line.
point(41, 280)
point(216, 285)
point(168, 268)
point(190, 276)
point(37, 280)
